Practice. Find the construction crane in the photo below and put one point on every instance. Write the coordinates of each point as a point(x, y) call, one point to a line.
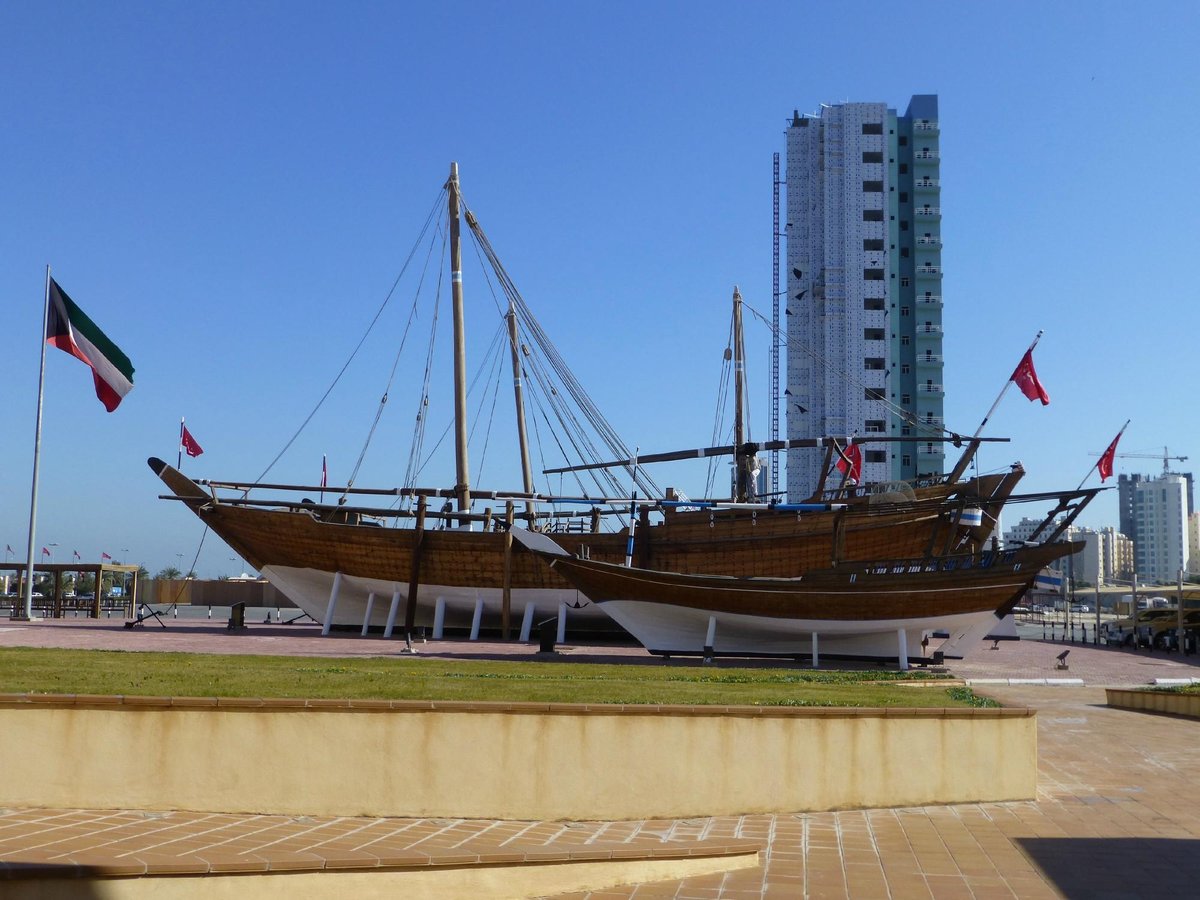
point(1164, 456)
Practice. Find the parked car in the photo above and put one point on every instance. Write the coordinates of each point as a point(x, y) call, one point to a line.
point(1081, 608)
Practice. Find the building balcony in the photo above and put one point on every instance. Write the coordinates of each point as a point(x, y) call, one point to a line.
point(925, 127)
point(929, 359)
point(929, 241)
point(928, 212)
point(930, 300)
point(930, 389)
point(926, 184)
point(930, 422)
point(929, 270)
point(929, 331)
point(931, 450)
point(926, 155)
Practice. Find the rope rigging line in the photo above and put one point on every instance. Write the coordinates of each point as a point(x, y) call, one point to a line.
point(491, 354)
point(497, 364)
point(719, 414)
point(898, 411)
point(422, 417)
point(379, 312)
point(412, 315)
point(556, 365)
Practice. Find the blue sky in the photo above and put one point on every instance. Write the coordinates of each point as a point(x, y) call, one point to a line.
point(230, 189)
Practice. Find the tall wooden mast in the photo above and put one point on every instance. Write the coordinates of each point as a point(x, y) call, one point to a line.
point(518, 394)
point(743, 460)
point(463, 485)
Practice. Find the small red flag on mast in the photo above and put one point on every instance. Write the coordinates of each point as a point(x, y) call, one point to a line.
point(851, 459)
point(1105, 466)
point(1025, 377)
point(189, 444)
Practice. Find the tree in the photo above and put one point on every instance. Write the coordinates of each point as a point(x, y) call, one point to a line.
point(170, 573)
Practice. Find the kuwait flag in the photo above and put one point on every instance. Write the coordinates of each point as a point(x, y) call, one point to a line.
point(68, 329)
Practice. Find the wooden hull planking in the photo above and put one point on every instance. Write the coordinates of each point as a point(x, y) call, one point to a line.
point(851, 608)
point(300, 552)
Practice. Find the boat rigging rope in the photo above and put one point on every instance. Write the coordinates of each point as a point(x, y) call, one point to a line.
point(719, 416)
point(557, 366)
point(379, 312)
point(412, 314)
point(904, 415)
point(422, 417)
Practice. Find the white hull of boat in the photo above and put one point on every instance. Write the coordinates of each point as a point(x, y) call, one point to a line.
point(310, 589)
point(664, 628)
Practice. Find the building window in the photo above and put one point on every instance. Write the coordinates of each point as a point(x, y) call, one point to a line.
point(872, 156)
point(872, 334)
point(904, 369)
point(906, 460)
point(872, 128)
point(873, 303)
point(873, 274)
point(873, 187)
point(874, 426)
point(903, 225)
point(872, 243)
point(904, 310)
point(872, 215)
point(903, 140)
point(903, 281)
point(872, 362)
point(906, 400)
point(904, 196)
point(904, 340)
point(875, 456)
point(903, 168)
point(873, 394)
point(904, 253)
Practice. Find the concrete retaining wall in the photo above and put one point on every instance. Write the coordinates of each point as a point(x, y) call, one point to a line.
point(1176, 704)
point(504, 761)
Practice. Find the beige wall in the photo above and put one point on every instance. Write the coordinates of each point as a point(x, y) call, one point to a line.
point(1176, 704)
point(199, 592)
point(524, 761)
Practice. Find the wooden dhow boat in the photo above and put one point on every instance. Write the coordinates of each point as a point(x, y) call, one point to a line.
point(344, 569)
point(346, 565)
point(852, 610)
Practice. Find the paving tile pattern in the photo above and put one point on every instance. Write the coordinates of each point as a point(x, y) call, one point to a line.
point(1117, 816)
point(113, 843)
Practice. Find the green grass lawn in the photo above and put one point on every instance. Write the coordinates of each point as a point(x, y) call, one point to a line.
point(29, 670)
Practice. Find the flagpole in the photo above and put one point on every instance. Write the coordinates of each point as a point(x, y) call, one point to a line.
point(37, 455)
point(1004, 390)
point(1097, 462)
point(179, 455)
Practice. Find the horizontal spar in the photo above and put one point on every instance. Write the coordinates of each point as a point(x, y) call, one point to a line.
point(752, 448)
point(622, 504)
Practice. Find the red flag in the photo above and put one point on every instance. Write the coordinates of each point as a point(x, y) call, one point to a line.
point(1105, 466)
point(1026, 379)
point(851, 459)
point(188, 443)
point(45, 552)
point(105, 556)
